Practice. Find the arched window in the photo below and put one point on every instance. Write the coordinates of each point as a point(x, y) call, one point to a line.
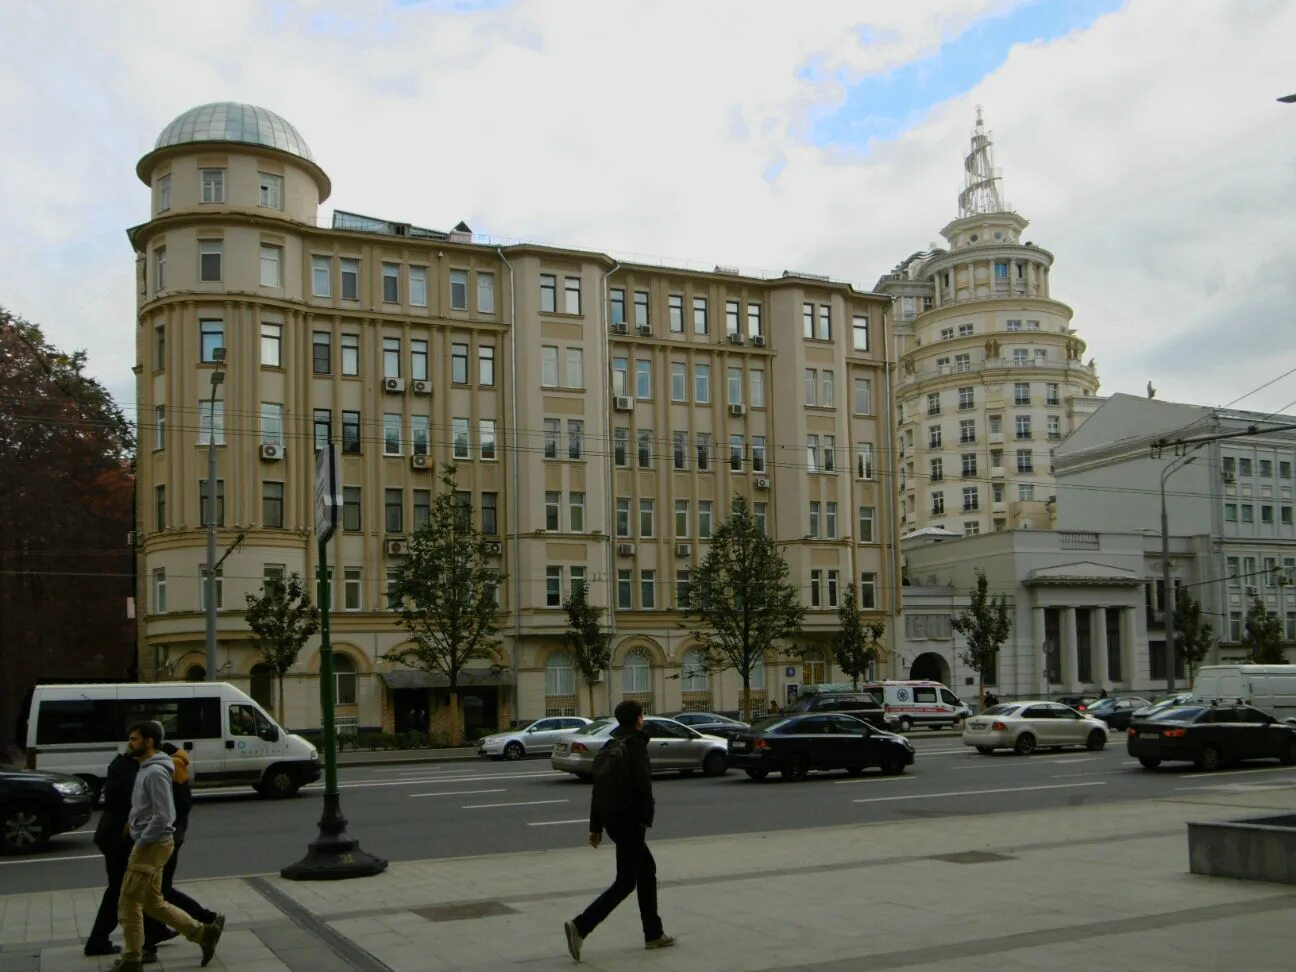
point(693, 672)
point(636, 674)
point(195, 673)
point(560, 676)
point(262, 687)
point(344, 678)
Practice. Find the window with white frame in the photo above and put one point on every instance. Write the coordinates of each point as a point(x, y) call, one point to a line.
point(391, 283)
point(862, 396)
point(209, 260)
point(548, 293)
point(349, 272)
point(679, 381)
point(863, 460)
point(702, 384)
point(681, 519)
point(647, 589)
point(459, 290)
point(269, 190)
point(321, 276)
point(486, 439)
point(163, 193)
point(868, 590)
point(272, 423)
point(271, 270)
point(572, 295)
point(812, 453)
point(207, 429)
point(485, 293)
point(860, 332)
point(866, 518)
point(549, 366)
point(623, 516)
point(575, 438)
point(213, 185)
point(486, 365)
point(756, 387)
point(459, 436)
point(392, 433)
point(418, 293)
point(159, 590)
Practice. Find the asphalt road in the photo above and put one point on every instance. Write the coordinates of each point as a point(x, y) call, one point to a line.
point(411, 812)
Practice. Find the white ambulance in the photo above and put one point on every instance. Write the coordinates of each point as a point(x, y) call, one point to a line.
point(78, 729)
point(917, 702)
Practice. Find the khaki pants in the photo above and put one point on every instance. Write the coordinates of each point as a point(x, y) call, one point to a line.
point(141, 894)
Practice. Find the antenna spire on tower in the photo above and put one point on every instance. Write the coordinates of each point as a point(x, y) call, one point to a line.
point(981, 180)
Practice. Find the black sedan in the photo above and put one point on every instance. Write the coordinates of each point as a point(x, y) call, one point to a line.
point(796, 744)
point(1210, 736)
point(708, 723)
point(34, 806)
point(1116, 710)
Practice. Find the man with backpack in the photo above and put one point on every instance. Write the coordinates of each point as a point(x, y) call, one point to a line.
point(622, 804)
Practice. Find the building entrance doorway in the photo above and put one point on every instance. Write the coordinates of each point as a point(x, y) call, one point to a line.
point(931, 667)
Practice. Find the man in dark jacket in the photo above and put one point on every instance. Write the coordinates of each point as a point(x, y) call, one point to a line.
point(635, 867)
point(115, 844)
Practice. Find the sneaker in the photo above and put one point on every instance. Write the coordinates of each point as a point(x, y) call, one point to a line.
point(574, 939)
point(665, 941)
point(101, 948)
point(210, 936)
point(125, 964)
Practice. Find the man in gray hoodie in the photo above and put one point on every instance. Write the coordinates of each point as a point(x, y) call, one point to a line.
point(152, 827)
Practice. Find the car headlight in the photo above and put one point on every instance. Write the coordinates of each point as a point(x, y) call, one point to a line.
point(70, 787)
point(314, 754)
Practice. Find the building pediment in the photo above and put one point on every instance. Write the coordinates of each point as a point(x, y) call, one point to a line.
point(1084, 573)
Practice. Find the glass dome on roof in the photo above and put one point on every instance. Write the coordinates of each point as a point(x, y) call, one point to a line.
point(228, 121)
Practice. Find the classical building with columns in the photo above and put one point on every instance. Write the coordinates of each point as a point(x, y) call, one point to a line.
point(601, 415)
point(1076, 603)
point(991, 373)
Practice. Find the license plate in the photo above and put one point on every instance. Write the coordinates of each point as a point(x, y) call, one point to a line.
point(976, 725)
point(740, 746)
point(1144, 734)
point(560, 748)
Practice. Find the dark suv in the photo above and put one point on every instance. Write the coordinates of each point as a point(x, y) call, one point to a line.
point(34, 806)
point(861, 705)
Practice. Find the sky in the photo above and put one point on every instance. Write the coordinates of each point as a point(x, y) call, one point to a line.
point(1141, 138)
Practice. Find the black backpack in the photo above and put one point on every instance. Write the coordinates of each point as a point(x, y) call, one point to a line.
point(613, 792)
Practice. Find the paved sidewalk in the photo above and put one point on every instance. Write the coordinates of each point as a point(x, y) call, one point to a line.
point(1083, 885)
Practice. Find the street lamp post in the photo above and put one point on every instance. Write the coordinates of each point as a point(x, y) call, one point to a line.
point(1168, 597)
point(209, 580)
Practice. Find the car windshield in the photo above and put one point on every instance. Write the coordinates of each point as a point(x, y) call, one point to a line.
point(1102, 705)
point(766, 723)
point(1003, 709)
point(1179, 713)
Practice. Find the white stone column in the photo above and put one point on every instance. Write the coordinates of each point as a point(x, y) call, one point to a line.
point(1036, 648)
point(1129, 638)
point(1098, 645)
point(1069, 653)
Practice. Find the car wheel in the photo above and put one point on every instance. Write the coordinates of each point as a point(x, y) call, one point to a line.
point(906, 724)
point(985, 750)
point(24, 829)
point(1288, 756)
point(513, 751)
point(1208, 759)
point(1149, 762)
point(279, 782)
point(892, 765)
point(715, 764)
point(796, 769)
point(1096, 741)
point(1025, 744)
point(757, 774)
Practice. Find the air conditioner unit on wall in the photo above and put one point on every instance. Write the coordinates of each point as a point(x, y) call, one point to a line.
point(624, 403)
point(620, 328)
point(737, 409)
point(420, 387)
point(396, 385)
point(1253, 592)
point(420, 461)
point(683, 550)
point(272, 451)
point(397, 548)
point(758, 340)
point(645, 330)
point(493, 548)
point(760, 483)
point(735, 338)
point(625, 549)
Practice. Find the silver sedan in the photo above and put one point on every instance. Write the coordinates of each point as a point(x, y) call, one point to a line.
point(537, 738)
point(671, 746)
point(1026, 726)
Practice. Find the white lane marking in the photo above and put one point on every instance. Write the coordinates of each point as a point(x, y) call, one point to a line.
point(556, 823)
point(876, 779)
point(521, 803)
point(1239, 772)
point(548, 774)
point(53, 860)
point(456, 793)
point(954, 793)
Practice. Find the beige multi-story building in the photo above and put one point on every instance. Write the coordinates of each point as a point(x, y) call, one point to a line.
point(601, 416)
point(991, 375)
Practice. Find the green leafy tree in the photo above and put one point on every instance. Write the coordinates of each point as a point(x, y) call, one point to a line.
point(447, 595)
point(1262, 636)
point(859, 643)
point(591, 646)
point(1193, 632)
point(282, 619)
point(985, 624)
point(741, 598)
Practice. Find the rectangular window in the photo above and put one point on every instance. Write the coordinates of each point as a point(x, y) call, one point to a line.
point(811, 384)
point(760, 517)
point(1054, 427)
point(621, 446)
point(700, 325)
point(679, 449)
point(868, 590)
point(351, 355)
point(679, 381)
point(814, 519)
point(213, 185)
point(209, 430)
point(1025, 491)
point(623, 516)
point(681, 519)
point(734, 386)
point(159, 427)
point(459, 363)
point(824, 331)
point(616, 297)
point(862, 396)
point(391, 434)
point(704, 451)
point(755, 325)
point(830, 453)
point(860, 332)
point(933, 436)
point(490, 513)
point(643, 379)
point(321, 352)
point(830, 520)
point(269, 190)
point(352, 589)
point(159, 268)
point(807, 321)
point(485, 293)
point(351, 433)
point(756, 387)
point(865, 524)
point(1025, 460)
point(204, 513)
point(576, 512)
point(486, 365)
point(647, 519)
point(967, 430)
point(1265, 468)
point(737, 450)
point(702, 384)
point(391, 357)
point(163, 193)
point(548, 366)
point(209, 260)
point(827, 389)
point(969, 465)
point(419, 359)
point(575, 368)
point(641, 308)
point(575, 438)
point(676, 313)
point(758, 453)
point(624, 588)
point(553, 504)
point(971, 499)
point(577, 579)
point(548, 293)
point(645, 448)
point(966, 399)
point(936, 468)
point(812, 453)
point(351, 507)
point(321, 276)
point(572, 295)
point(937, 503)
point(1021, 393)
point(863, 460)
point(159, 346)
point(391, 283)
point(350, 273)
point(1023, 425)
point(459, 437)
point(393, 510)
point(420, 439)
point(683, 588)
point(423, 507)
point(418, 294)
point(392, 603)
point(459, 290)
point(272, 423)
point(648, 589)
point(159, 508)
point(816, 588)
point(486, 439)
point(202, 587)
point(704, 519)
point(731, 316)
point(271, 257)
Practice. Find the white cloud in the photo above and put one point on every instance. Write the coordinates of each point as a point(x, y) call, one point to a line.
point(1148, 150)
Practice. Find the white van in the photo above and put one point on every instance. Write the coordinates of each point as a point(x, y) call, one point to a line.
point(917, 702)
point(77, 729)
point(1268, 687)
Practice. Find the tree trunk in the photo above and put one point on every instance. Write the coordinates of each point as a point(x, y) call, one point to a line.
point(456, 731)
point(280, 713)
point(589, 687)
point(746, 704)
point(981, 691)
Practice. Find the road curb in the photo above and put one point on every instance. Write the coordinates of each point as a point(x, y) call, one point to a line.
point(377, 759)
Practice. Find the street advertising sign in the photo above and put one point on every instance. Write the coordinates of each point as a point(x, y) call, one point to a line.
point(328, 492)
